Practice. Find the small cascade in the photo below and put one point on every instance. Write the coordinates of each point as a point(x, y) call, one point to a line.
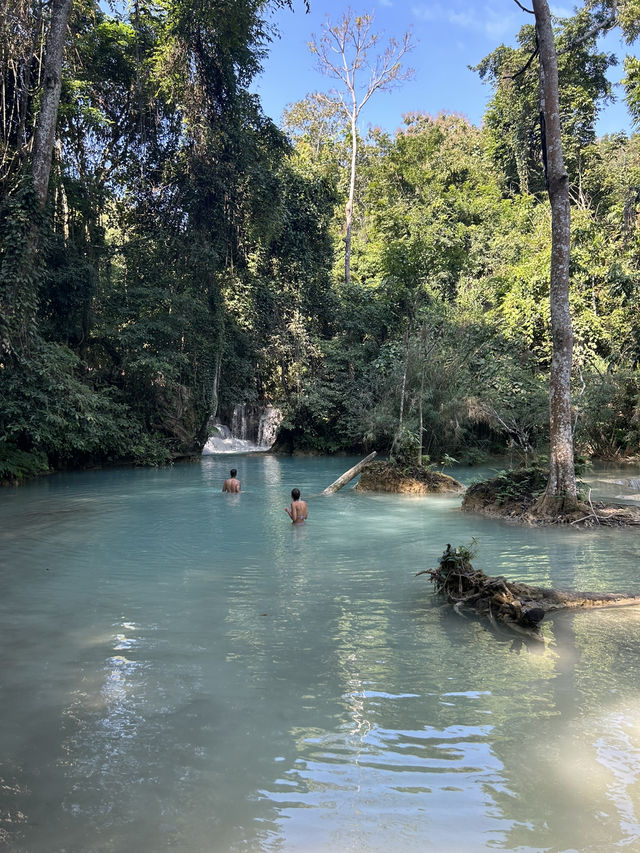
point(240, 422)
point(253, 430)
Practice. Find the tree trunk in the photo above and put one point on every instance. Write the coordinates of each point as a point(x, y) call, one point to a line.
point(52, 84)
point(349, 207)
point(403, 387)
point(348, 475)
point(521, 158)
point(19, 300)
point(215, 386)
point(420, 418)
point(560, 494)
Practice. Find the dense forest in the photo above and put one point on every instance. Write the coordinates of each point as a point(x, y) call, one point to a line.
point(184, 254)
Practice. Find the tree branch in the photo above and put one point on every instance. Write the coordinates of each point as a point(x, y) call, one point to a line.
point(524, 67)
point(524, 8)
point(603, 26)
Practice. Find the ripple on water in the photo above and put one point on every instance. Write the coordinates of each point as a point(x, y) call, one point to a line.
point(411, 778)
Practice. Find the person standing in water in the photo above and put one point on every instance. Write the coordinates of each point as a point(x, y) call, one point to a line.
point(298, 511)
point(232, 484)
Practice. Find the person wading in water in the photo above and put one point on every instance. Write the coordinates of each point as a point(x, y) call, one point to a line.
point(231, 485)
point(298, 511)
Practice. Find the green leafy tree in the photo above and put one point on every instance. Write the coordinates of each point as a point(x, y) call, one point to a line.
point(513, 115)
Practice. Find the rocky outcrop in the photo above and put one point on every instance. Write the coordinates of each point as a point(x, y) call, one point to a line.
point(415, 480)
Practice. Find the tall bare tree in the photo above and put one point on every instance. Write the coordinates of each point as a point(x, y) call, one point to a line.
point(348, 52)
point(561, 495)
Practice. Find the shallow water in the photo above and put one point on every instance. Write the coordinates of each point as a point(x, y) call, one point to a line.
point(182, 670)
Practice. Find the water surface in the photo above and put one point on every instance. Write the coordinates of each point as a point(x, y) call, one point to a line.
point(182, 670)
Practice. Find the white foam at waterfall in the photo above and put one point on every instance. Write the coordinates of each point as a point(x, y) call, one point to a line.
point(247, 423)
point(217, 444)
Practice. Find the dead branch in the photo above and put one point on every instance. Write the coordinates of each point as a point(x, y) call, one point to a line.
point(517, 606)
point(349, 475)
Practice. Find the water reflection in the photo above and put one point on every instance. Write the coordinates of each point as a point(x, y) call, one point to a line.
point(298, 536)
point(618, 751)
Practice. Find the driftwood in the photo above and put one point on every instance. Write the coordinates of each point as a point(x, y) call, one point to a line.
point(518, 606)
point(348, 475)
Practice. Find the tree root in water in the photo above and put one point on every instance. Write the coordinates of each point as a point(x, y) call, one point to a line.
point(517, 606)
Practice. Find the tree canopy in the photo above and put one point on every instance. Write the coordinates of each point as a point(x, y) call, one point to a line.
point(188, 256)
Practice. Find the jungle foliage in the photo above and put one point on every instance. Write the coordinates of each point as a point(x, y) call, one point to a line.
point(190, 254)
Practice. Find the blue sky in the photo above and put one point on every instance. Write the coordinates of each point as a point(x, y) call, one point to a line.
point(450, 35)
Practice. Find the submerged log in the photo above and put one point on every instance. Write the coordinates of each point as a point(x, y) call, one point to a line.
point(518, 606)
point(349, 475)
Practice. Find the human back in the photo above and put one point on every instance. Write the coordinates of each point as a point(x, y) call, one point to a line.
point(231, 484)
point(298, 512)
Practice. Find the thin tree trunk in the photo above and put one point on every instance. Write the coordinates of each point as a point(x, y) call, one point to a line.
point(52, 84)
point(521, 156)
point(343, 53)
point(420, 417)
point(215, 386)
point(403, 388)
point(561, 487)
point(423, 360)
point(20, 299)
point(349, 207)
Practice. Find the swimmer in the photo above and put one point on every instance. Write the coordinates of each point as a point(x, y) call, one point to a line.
point(232, 484)
point(298, 511)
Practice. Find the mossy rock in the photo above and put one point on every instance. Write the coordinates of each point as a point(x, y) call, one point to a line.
point(510, 494)
point(406, 480)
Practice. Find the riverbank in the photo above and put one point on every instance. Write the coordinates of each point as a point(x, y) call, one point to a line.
point(513, 495)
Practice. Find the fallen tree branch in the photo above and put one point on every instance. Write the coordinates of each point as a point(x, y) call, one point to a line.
point(595, 514)
point(349, 475)
point(517, 606)
point(592, 514)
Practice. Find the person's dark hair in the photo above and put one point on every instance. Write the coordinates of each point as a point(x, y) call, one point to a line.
point(295, 494)
point(233, 472)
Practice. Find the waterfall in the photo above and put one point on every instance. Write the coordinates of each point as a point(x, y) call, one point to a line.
point(240, 422)
point(253, 429)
